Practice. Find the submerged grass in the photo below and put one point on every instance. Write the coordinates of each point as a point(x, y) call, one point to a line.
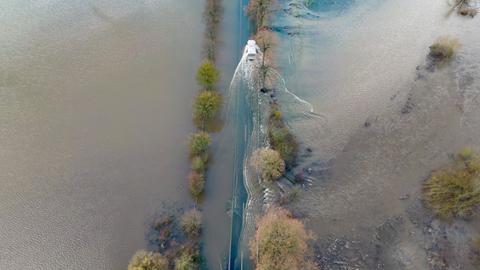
point(455, 191)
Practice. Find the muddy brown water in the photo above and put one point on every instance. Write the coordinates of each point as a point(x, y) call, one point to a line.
point(95, 109)
point(379, 152)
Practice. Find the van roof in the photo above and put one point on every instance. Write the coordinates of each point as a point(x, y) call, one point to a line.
point(251, 50)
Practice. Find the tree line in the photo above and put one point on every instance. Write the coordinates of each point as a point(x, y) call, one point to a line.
point(178, 241)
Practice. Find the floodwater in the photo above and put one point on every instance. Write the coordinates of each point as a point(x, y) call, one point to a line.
point(95, 109)
point(217, 205)
point(385, 121)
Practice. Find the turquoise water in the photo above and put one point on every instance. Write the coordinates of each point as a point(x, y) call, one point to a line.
point(331, 5)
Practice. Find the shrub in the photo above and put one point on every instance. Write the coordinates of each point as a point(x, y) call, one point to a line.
point(282, 141)
point(280, 137)
point(143, 260)
point(207, 75)
point(454, 191)
point(206, 106)
point(199, 163)
point(466, 153)
point(268, 164)
point(444, 48)
point(188, 260)
point(280, 242)
point(192, 223)
point(199, 143)
point(196, 184)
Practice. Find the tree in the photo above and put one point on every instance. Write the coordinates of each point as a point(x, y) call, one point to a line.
point(188, 260)
point(191, 223)
point(206, 106)
point(266, 41)
point(199, 143)
point(207, 75)
point(280, 242)
point(268, 163)
point(144, 260)
point(259, 10)
point(196, 184)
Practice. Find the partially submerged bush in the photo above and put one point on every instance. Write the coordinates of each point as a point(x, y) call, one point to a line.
point(206, 106)
point(281, 139)
point(280, 242)
point(467, 11)
point(199, 163)
point(144, 260)
point(192, 223)
point(268, 163)
point(444, 48)
point(466, 153)
point(199, 143)
point(455, 191)
point(196, 184)
point(189, 259)
point(207, 75)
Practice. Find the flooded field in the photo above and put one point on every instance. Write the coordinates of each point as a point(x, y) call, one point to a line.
point(385, 122)
point(95, 109)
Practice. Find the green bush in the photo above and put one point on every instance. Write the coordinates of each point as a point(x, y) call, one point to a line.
point(199, 163)
point(454, 191)
point(444, 48)
point(280, 242)
point(206, 106)
point(188, 260)
point(280, 137)
point(268, 163)
point(207, 75)
point(144, 260)
point(196, 184)
point(466, 153)
point(191, 223)
point(199, 143)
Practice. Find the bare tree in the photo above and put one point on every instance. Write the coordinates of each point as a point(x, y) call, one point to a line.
point(266, 40)
point(259, 11)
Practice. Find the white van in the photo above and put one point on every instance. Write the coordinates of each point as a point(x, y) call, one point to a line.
point(251, 50)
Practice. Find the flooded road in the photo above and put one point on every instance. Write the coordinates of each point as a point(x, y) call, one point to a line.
point(227, 149)
point(95, 106)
